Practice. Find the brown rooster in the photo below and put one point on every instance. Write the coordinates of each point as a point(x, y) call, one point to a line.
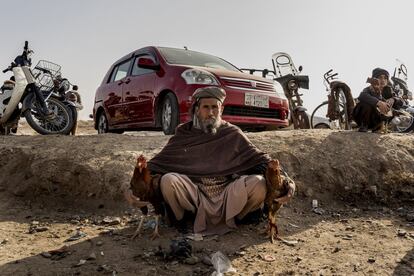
point(146, 191)
point(276, 189)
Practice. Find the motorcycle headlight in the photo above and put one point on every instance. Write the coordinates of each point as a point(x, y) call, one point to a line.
point(196, 76)
point(292, 84)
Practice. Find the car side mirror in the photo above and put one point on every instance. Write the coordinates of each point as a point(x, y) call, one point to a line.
point(147, 63)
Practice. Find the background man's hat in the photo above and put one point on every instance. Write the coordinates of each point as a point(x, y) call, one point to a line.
point(209, 92)
point(378, 72)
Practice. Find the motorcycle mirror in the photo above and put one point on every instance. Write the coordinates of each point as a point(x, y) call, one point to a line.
point(300, 68)
point(26, 45)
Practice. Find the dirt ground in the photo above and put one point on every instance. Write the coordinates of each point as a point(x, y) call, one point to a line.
point(59, 187)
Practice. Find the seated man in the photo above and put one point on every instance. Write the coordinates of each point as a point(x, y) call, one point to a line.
point(210, 168)
point(367, 112)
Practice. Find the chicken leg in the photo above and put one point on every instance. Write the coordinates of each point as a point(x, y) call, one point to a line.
point(275, 189)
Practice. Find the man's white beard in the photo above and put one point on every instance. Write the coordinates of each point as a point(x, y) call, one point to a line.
point(210, 125)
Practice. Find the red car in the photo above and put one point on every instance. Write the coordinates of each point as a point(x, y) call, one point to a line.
point(151, 88)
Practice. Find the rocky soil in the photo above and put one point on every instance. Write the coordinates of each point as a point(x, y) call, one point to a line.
point(62, 211)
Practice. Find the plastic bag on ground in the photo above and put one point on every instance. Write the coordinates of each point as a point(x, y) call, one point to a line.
point(221, 263)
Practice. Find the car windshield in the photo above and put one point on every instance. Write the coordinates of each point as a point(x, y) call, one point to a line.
point(186, 57)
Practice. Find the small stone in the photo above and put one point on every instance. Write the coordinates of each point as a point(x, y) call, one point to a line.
point(195, 237)
point(401, 233)
point(298, 259)
point(99, 243)
point(337, 249)
point(206, 260)
point(318, 211)
point(373, 189)
point(81, 262)
point(192, 260)
point(173, 263)
point(42, 229)
point(78, 235)
point(46, 255)
point(104, 268)
point(92, 256)
point(410, 217)
point(4, 241)
point(111, 220)
point(289, 242)
point(371, 260)
point(241, 253)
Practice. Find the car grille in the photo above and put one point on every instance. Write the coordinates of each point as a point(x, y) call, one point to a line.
point(251, 111)
point(244, 84)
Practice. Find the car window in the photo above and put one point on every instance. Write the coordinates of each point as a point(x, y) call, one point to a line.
point(136, 71)
point(187, 57)
point(120, 71)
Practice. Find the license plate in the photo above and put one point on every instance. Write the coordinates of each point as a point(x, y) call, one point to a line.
point(256, 100)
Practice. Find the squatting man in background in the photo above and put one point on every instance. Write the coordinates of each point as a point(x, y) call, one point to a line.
point(375, 102)
point(210, 170)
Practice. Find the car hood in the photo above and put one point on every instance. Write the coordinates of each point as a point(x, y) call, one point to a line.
point(232, 74)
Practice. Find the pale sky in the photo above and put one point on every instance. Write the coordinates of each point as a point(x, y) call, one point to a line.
point(86, 36)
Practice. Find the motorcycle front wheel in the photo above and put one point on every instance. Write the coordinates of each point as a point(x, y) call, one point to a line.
point(407, 123)
point(59, 121)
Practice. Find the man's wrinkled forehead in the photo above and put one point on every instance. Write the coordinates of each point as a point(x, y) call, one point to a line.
point(209, 101)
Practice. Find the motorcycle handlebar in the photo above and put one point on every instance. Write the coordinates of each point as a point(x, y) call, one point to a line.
point(5, 70)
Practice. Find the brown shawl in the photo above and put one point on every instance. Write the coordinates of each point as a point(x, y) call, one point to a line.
point(197, 154)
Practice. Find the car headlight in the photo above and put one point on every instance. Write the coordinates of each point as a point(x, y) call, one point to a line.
point(196, 76)
point(279, 90)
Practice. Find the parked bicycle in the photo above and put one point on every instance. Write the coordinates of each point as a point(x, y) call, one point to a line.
point(336, 112)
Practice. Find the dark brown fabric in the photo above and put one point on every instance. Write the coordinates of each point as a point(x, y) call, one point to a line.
point(197, 154)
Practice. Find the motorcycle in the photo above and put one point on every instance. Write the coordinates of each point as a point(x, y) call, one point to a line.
point(402, 114)
point(290, 79)
point(69, 96)
point(21, 96)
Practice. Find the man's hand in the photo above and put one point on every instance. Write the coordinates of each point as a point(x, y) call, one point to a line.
point(383, 107)
point(285, 199)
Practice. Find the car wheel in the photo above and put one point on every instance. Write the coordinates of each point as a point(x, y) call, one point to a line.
point(169, 114)
point(321, 126)
point(102, 123)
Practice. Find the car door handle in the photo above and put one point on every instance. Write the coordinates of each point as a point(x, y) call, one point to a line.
point(120, 82)
point(127, 93)
point(128, 80)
